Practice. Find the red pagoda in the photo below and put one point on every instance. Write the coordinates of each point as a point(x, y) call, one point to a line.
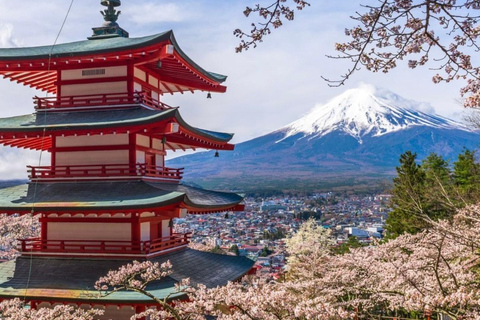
point(107, 198)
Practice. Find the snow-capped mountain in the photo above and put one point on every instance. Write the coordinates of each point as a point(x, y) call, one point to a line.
point(367, 110)
point(360, 133)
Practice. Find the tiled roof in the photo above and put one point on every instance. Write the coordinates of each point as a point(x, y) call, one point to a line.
point(99, 46)
point(114, 195)
point(53, 279)
point(99, 119)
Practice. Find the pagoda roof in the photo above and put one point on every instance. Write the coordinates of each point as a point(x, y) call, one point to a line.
point(112, 197)
point(23, 130)
point(23, 63)
point(53, 279)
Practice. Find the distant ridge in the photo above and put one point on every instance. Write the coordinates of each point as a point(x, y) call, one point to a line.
point(355, 137)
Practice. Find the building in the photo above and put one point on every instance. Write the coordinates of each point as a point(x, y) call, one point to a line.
point(107, 198)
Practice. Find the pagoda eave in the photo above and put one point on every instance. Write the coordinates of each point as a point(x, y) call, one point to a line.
point(65, 280)
point(36, 131)
point(110, 198)
point(38, 67)
point(195, 210)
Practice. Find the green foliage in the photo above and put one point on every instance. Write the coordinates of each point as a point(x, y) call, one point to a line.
point(265, 252)
point(431, 190)
point(279, 234)
point(466, 173)
point(343, 248)
point(408, 200)
point(305, 215)
point(217, 250)
point(234, 249)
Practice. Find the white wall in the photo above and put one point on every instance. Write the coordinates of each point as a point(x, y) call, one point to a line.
point(157, 144)
point(137, 86)
point(165, 229)
point(94, 140)
point(91, 157)
point(89, 231)
point(145, 231)
point(139, 157)
point(120, 71)
point(94, 88)
point(140, 74)
point(143, 141)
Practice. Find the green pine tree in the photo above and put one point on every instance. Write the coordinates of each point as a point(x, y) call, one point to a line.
point(466, 173)
point(408, 201)
point(439, 192)
point(235, 250)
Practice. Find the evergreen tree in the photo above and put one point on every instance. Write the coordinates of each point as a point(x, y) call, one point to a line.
point(408, 201)
point(438, 192)
point(345, 247)
point(235, 250)
point(466, 173)
point(265, 252)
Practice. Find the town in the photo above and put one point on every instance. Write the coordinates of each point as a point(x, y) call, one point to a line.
point(259, 231)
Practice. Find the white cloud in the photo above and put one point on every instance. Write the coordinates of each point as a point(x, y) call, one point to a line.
point(152, 12)
point(13, 162)
point(6, 36)
point(268, 87)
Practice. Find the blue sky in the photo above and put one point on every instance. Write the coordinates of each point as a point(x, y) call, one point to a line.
point(268, 87)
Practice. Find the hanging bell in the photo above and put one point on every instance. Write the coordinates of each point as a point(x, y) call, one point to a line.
point(209, 95)
point(170, 223)
point(226, 215)
point(164, 139)
point(216, 154)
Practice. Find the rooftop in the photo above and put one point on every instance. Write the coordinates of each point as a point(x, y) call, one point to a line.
point(114, 196)
point(68, 280)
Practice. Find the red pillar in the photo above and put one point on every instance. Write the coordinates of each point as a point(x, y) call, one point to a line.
point(135, 228)
point(140, 309)
point(44, 228)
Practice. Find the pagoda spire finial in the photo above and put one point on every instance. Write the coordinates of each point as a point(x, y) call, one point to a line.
point(110, 14)
point(110, 27)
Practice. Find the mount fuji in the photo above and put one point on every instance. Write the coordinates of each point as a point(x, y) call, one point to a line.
point(359, 134)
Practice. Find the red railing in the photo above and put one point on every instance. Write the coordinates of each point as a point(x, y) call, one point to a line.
point(103, 170)
point(174, 241)
point(98, 100)
point(36, 245)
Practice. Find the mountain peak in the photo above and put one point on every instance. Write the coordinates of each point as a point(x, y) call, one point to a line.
point(367, 110)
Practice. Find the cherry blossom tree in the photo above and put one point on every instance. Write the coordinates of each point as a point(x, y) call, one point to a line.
point(440, 33)
point(307, 248)
point(14, 227)
point(15, 309)
point(136, 277)
point(432, 271)
point(443, 32)
point(272, 16)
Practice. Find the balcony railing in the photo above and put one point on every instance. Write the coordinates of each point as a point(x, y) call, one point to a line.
point(37, 245)
point(104, 171)
point(98, 100)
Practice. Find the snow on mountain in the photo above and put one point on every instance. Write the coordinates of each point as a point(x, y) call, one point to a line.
point(366, 110)
point(357, 136)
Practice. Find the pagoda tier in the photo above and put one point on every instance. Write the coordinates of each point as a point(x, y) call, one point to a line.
point(108, 143)
point(154, 62)
point(110, 219)
point(70, 281)
point(107, 199)
point(36, 131)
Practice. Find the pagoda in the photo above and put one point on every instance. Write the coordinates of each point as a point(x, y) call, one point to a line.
point(107, 197)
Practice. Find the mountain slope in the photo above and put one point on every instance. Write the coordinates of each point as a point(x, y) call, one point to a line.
point(360, 133)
